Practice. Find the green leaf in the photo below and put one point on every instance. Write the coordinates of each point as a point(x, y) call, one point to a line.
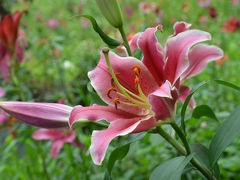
point(204, 110)
point(120, 152)
point(171, 169)
point(225, 134)
point(185, 104)
point(201, 154)
point(112, 43)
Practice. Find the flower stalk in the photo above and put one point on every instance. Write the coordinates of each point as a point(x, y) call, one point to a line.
point(126, 44)
point(182, 151)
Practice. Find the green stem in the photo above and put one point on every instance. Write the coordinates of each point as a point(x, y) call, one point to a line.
point(172, 141)
point(182, 151)
point(181, 136)
point(125, 40)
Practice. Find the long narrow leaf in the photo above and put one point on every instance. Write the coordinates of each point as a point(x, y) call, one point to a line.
point(112, 43)
point(185, 104)
point(225, 135)
point(171, 169)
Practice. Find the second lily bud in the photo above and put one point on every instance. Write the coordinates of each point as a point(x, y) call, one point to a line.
point(111, 11)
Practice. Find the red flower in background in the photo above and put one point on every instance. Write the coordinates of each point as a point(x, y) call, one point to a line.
point(231, 25)
point(9, 29)
point(212, 12)
point(11, 42)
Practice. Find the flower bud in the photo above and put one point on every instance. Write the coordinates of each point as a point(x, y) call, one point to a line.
point(46, 115)
point(111, 11)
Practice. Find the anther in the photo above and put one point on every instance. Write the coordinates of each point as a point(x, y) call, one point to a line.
point(136, 82)
point(116, 101)
point(137, 70)
point(109, 91)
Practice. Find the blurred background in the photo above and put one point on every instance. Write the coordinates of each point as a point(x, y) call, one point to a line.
point(60, 50)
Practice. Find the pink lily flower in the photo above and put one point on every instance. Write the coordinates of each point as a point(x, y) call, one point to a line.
point(59, 137)
point(45, 115)
point(142, 94)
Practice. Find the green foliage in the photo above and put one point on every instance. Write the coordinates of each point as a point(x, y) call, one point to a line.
point(171, 169)
point(225, 134)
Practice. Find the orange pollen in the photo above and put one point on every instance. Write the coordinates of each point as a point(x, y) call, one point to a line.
point(136, 81)
point(116, 101)
point(109, 91)
point(137, 70)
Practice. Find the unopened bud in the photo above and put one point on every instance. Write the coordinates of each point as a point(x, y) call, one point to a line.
point(111, 11)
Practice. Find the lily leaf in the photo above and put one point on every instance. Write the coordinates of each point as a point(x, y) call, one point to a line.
point(120, 152)
point(225, 135)
point(185, 104)
point(112, 43)
point(171, 169)
point(204, 110)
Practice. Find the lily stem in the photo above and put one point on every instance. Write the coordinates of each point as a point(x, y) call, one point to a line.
point(181, 136)
point(126, 44)
point(182, 151)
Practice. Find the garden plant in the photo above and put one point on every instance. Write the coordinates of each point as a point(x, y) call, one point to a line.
point(110, 89)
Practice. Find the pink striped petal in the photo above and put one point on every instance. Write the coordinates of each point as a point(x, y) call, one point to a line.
point(46, 134)
point(199, 57)
point(176, 51)
point(153, 53)
point(101, 139)
point(46, 115)
point(183, 94)
point(180, 27)
point(162, 102)
point(97, 113)
point(134, 42)
point(56, 147)
point(2, 93)
point(101, 80)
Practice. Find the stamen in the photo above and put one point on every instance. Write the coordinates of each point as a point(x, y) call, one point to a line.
point(109, 91)
point(137, 70)
point(136, 82)
point(112, 80)
point(116, 101)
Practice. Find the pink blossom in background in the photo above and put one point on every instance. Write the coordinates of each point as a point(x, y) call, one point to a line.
point(204, 3)
point(59, 137)
point(3, 116)
point(84, 22)
point(202, 20)
point(147, 7)
point(141, 94)
point(234, 2)
point(53, 23)
point(128, 10)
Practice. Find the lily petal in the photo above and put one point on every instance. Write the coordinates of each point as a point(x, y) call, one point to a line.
point(153, 53)
point(46, 115)
point(180, 27)
point(46, 134)
point(162, 102)
point(97, 113)
point(176, 51)
point(183, 94)
point(101, 139)
point(134, 42)
point(56, 147)
point(101, 80)
point(199, 57)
